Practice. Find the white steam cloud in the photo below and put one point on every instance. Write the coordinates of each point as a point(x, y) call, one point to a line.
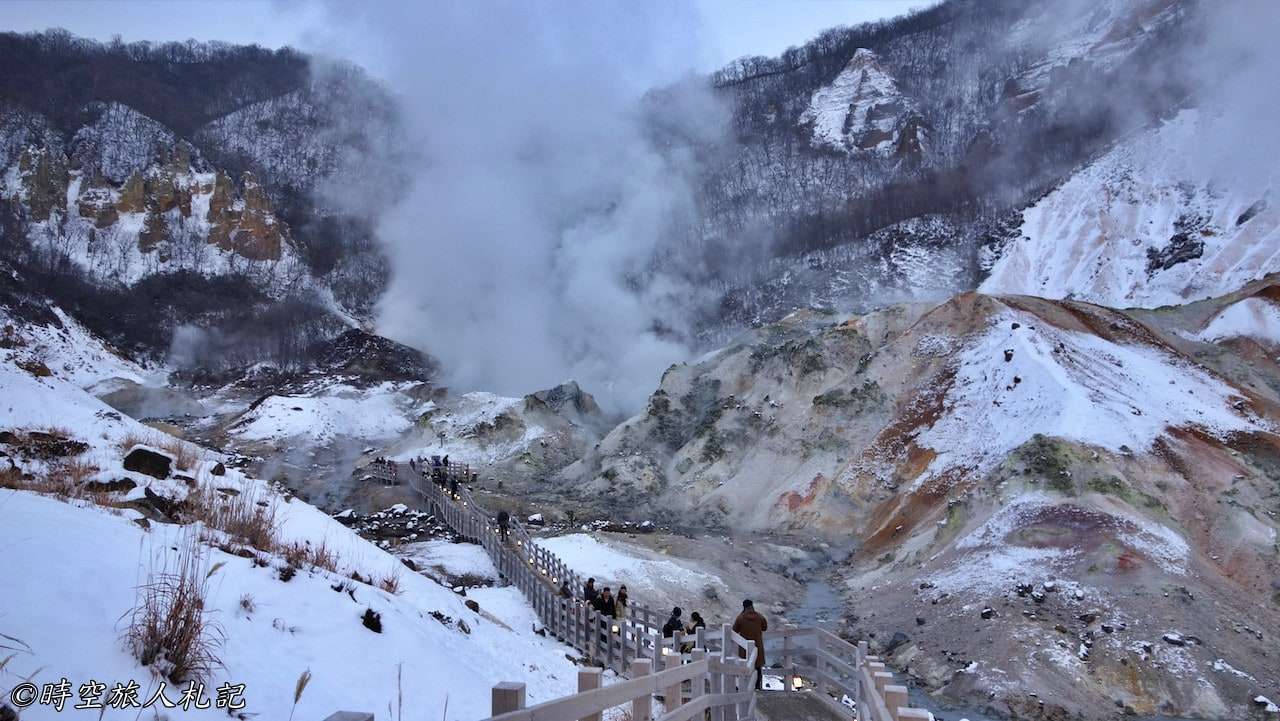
point(522, 251)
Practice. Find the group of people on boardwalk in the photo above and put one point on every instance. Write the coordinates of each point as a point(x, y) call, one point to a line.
point(749, 624)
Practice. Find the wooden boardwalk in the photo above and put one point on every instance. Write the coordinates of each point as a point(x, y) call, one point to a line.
point(709, 676)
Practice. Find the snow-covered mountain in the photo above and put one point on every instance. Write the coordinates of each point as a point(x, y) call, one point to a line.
point(973, 450)
point(1144, 225)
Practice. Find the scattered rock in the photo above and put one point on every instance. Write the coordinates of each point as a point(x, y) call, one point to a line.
point(471, 604)
point(218, 469)
point(463, 627)
point(1174, 639)
point(148, 461)
point(988, 612)
point(372, 620)
point(899, 639)
point(124, 484)
point(919, 621)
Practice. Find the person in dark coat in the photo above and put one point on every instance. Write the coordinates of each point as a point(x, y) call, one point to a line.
point(589, 592)
point(606, 604)
point(453, 487)
point(751, 625)
point(504, 522)
point(565, 592)
point(673, 624)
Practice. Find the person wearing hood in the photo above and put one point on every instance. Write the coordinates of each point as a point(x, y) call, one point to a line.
point(673, 624)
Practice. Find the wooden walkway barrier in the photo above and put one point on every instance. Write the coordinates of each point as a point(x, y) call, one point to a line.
point(716, 680)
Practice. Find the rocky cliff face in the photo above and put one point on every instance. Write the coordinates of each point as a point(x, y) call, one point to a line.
point(862, 109)
point(126, 198)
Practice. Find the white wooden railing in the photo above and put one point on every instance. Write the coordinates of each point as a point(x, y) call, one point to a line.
point(714, 679)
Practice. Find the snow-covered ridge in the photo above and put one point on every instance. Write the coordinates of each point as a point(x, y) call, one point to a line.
point(1144, 225)
point(1255, 318)
point(1024, 376)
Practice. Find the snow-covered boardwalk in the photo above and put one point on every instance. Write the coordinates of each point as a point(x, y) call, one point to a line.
point(712, 670)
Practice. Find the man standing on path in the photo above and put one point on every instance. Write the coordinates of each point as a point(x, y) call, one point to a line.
point(504, 523)
point(751, 625)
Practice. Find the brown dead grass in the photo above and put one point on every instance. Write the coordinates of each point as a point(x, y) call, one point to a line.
point(245, 517)
point(168, 627)
point(390, 583)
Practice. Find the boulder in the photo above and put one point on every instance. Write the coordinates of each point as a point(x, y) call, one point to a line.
point(372, 620)
point(148, 461)
point(471, 604)
point(218, 470)
point(123, 484)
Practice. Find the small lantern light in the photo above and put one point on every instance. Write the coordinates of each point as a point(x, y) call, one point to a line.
point(797, 683)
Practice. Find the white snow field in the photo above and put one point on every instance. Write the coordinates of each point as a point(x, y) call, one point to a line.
point(335, 410)
point(1093, 237)
point(645, 576)
point(1255, 318)
point(76, 569)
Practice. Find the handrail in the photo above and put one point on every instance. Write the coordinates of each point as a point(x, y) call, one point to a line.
point(714, 676)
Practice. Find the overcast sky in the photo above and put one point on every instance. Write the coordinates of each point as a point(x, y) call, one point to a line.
point(731, 28)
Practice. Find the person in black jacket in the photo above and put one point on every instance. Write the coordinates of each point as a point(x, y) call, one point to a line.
point(673, 624)
point(589, 592)
point(504, 522)
point(565, 592)
point(606, 604)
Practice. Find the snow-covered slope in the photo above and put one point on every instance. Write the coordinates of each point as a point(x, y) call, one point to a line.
point(861, 109)
point(80, 563)
point(1257, 318)
point(1144, 225)
point(329, 411)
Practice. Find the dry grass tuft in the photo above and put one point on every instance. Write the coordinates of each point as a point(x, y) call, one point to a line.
point(168, 628)
point(390, 583)
point(245, 517)
point(302, 555)
point(64, 479)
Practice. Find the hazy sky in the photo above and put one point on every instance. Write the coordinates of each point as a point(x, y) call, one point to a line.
point(731, 28)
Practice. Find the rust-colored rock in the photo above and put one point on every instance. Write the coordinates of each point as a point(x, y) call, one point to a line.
point(133, 197)
point(248, 228)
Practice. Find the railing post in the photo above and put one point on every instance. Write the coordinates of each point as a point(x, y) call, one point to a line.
point(882, 679)
point(788, 663)
point(671, 696)
point(697, 687)
point(726, 634)
point(895, 697)
point(717, 689)
point(609, 633)
point(642, 705)
point(589, 680)
point(508, 696)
